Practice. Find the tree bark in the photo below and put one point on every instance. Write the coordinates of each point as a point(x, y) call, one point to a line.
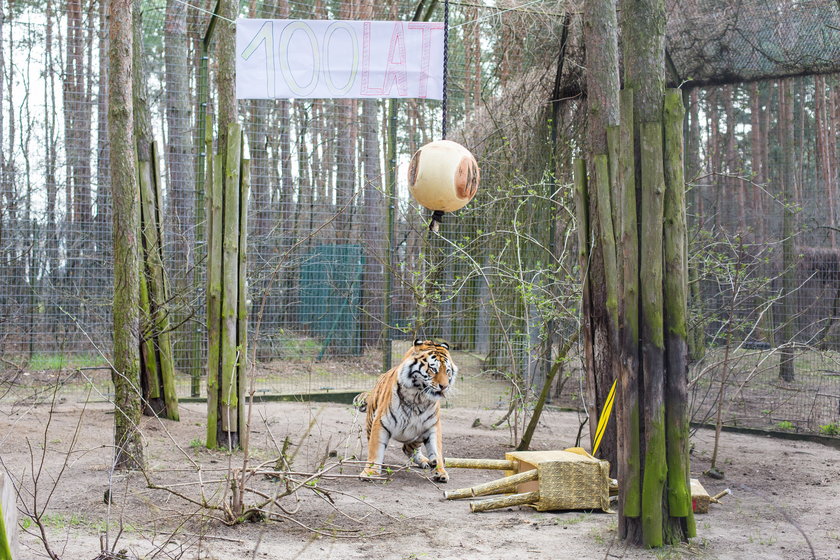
point(786, 309)
point(129, 447)
point(601, 40)
point(180, 166)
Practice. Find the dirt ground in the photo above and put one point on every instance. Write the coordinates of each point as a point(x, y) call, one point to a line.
point(784, 500)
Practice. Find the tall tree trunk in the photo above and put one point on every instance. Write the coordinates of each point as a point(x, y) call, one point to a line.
point(601, 314)
point(373, 232)
point(103, 155)
point(179, 145)
point(786, 313)
point(126, 372)
point(77, 115)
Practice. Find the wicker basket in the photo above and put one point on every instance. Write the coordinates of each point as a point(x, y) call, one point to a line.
point(547, 480)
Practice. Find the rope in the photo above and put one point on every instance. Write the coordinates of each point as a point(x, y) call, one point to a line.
point(445, 64)
point(604, 419)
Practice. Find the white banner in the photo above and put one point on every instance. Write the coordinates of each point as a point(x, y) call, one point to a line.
point(281, 58)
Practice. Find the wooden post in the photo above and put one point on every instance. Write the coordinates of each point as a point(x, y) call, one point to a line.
point(164, 339)
point(653, 346)
point(627, 411)
point(214, 293)
point(242, 296)
point(581, 214)
point(676, 302)
point(228, 386)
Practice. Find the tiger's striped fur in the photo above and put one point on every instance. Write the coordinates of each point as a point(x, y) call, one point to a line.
point(404, 405)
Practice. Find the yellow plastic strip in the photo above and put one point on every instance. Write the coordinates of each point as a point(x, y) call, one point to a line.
point(605, 418)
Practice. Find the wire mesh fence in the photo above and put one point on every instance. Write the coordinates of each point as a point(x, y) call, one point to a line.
point(337, 288)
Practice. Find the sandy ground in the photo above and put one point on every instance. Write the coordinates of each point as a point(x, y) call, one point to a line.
point(783, 505)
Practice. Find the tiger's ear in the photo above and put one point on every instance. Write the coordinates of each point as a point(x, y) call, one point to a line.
point(444, 344)
point(418, 341)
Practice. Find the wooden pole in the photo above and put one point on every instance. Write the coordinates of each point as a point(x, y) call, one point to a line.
point(506, 484)
point(505, 501)
point(163, 342)
point(581, 214)
point(149, 360)
point(676, 303)
point(653, 346)
point(228, 386)
point(495, 464)
point(627, 411)
point(242, 302)
point(158, 366)
point(214, 294)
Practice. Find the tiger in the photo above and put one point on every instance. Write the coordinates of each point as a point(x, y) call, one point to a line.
point(404, 405)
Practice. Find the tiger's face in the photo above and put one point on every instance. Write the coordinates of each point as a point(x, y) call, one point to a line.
point(429, 368)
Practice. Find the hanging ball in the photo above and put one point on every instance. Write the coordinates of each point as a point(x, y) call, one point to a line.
point(443, 176)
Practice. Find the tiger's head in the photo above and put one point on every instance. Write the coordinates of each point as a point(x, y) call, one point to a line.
point(428, 368)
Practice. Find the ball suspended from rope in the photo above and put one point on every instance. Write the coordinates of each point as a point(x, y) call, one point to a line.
point(443, 176)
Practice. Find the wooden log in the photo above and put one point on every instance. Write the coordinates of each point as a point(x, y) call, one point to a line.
point(506, 484)
point(229, 394)
point(653, 351)
point(627, 410)
point(496, 464)
point(8, 518)
point(214, 291)
point(676, 308)
point(505, 501)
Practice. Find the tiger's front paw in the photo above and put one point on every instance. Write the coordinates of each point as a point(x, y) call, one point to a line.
point(369, 473)
point(440, 475)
